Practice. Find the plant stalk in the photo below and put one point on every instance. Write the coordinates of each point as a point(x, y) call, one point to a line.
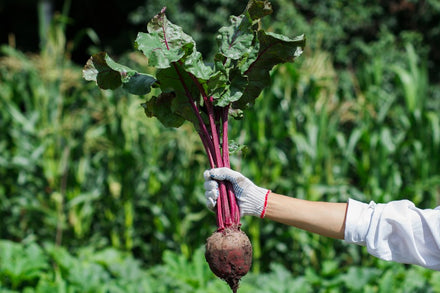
point(235, 212)
point(228, 213)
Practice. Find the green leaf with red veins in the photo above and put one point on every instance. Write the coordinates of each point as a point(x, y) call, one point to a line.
point(155, 49)
point(219, 79)
point(233, 90)
point(235, 40)
point(160, 107)
point(238, 49)
point(164, 43)
point(110, 75)
point(274, 49)
point(97, 69)
point(194, 65)
point(177, 81)
point(241, 68)
point(257, 9)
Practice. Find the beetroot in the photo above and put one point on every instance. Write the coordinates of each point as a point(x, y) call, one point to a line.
point(229, 255)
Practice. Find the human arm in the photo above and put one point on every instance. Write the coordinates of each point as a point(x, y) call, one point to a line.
point(395, 231)
point(323, 218)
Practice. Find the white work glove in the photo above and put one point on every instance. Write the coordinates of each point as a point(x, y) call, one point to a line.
point(251, 199)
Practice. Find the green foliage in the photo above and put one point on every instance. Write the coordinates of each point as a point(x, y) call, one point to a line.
point(32, 268)
point(69, 157)
point(92, 204)
point(246, 54)
point(20, 264)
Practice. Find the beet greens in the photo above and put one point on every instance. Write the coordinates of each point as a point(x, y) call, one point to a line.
point(205, 95)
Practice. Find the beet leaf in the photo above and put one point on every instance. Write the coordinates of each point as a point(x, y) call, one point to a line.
point(110, 75)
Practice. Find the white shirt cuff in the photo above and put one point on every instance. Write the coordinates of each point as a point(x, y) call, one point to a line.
point(357, 221)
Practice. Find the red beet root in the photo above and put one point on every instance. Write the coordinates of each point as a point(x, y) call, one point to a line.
point(229, 255)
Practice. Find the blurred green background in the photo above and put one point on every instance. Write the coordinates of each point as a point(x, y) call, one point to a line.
point(95, 197)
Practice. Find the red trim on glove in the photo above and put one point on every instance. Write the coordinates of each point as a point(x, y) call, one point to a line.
point(265, 204)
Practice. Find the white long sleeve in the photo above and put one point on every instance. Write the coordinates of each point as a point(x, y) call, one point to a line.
point(396, 231)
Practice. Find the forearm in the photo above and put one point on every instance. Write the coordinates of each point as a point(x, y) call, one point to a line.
point(324, 218)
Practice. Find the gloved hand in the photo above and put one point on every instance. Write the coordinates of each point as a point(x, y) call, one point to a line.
point(251, 199)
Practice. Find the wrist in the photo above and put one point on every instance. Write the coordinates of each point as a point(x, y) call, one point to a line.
point(255, 204)
point(263, 212)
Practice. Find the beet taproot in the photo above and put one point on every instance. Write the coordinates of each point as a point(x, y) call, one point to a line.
point(229, 255)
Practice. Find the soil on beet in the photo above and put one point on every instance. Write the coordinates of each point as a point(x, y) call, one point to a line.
point(229, 255)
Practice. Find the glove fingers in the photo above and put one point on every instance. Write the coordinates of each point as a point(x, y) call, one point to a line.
point(212, 194)
point(207, 175)
point(210, 185)
point(211, 198)
point(210, 203)
point(223, 174)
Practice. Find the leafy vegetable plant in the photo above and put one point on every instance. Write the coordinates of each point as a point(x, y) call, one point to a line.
point(206, 95)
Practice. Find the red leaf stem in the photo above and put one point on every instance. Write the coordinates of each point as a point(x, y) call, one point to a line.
point(228, 213)
point(205, 142)
point(225, 210)
point(235, 211)
point(203, 130)
point(214, 133)
point(225, 146)
point(163, 28)
point(219, 213)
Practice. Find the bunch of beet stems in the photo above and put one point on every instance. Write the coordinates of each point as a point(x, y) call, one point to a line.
point(227, 210)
